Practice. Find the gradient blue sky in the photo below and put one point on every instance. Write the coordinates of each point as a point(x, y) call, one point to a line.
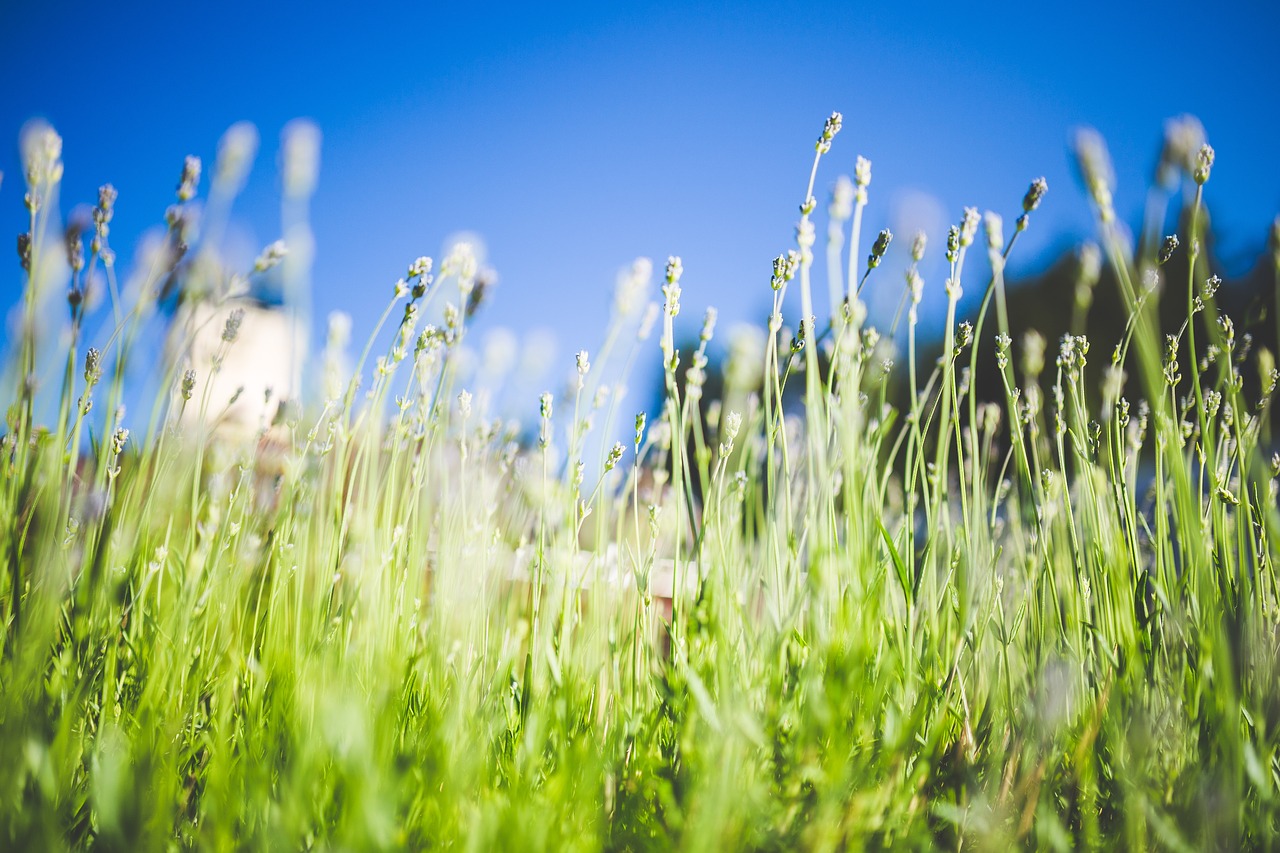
point(574, 138)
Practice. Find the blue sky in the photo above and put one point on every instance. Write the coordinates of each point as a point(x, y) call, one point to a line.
point(575, 138)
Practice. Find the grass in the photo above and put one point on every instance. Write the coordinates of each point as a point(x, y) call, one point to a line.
point(388, 621)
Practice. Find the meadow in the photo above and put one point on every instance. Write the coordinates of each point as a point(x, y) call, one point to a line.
point(811, 613)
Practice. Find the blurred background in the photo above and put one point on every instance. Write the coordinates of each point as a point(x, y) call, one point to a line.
point(571, 139)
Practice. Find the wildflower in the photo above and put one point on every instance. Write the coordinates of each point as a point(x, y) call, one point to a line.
point(964, 334)
point(995, 232)
point(1003, 342)
point(1033, 350)
point(614, 457)
point(300, 158)
point(732, 424)
point(190, 179)
point(879, 248)
point(640, 420)
point(339, 329)
point(1183, 137)
point(464, 404)
point(1168, 247)
point(24, 251)
point(671, 290)
point(41, 158)
point(841, 207)
point(631, 287)
point(862, 172)
point(1035, 194)
point(118, 440)
point(92, 366)
point(708, 324)
point(784, 269)
point(1204, 164)
point(915, 284)
point(75, 249)
point(188, 384)
point(1095, 166)
point(829, 131)
point(271, 256)
point(1171, 374)
point(696, 376)
point(805, 238)
point(231, 330)
point(969, 226)
point(102, 215)
point(917, 246)
point(953, 244)
point(646, 322)
point(236, 150)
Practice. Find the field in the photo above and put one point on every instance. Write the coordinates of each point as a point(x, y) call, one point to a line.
point(855, 600)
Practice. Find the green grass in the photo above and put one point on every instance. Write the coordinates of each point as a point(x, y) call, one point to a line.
point(394, 623)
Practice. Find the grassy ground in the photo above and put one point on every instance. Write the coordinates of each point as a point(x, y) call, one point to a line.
point(388, 621)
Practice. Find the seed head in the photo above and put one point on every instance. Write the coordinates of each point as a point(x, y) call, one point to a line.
point(1166, 250)
point(188, 383)
point(24, 250)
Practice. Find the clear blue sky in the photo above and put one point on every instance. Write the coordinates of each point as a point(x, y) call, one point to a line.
point(574, 138)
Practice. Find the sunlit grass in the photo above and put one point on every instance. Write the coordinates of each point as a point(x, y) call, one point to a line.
point(786, 618)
